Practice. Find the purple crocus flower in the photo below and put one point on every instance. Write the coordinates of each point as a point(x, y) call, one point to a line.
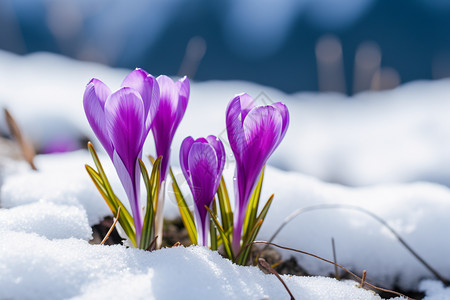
point(202, 162)
point(254, 133)
point(174, 97)
point(122, 121)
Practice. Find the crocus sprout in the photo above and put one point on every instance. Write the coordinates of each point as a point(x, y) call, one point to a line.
point(202, 162)
point(174, 98)
point(254, 132)
point(121, 120)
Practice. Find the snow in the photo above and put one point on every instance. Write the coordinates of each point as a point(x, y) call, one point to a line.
point(47, 219)
point(72, 268)
point(388, 143)
point(435, 290)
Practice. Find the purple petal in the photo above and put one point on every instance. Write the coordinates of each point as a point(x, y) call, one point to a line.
point(124, 112)
point(220, 154)
point(94, 100)
point(262, 128)
point(135, 80)
point(247, 104)
point(235, 130)
point(147, 86)
point(202, 224)
point(184, 154)
point(184, 88)
point(153, 89)
point(203, 167)
point(168, 98)
point(163, 125)
point(283, 110)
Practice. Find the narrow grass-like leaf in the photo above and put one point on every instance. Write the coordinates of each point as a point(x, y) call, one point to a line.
point(252, 208)
point(148, 228)
point(243, 254)
point(225, 240)
point(100, 170)
point(99, 185)
point(186, 215)
point(212, 229)
point(225, 208)
point(125, 219)
point(243, 257)
point(154, 182)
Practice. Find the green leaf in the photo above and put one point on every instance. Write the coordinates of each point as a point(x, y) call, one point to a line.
point(212, 228)
point(252, 208)
point(225, 208)
point(152, 186)
point(100, 170)
point(151, 158)
point(99, 185)
point(125, 219)
point(104, 187)
point(245, 252)
point(154, 182)
point(186, 215)
point(225, 240)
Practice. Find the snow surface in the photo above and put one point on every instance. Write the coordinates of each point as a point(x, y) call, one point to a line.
point(73, 269)
point(45, 216)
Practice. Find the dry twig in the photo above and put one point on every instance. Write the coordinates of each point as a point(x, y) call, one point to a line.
point(112, 227)
point(269, 268)
point(25, 145)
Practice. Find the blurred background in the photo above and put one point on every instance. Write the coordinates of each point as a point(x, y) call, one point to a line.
point(346, 46)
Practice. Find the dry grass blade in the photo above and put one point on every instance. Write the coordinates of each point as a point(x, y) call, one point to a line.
point(336, 270)
point(363, 279)
point(152, 245)
point(112, 227)
point(27, 149)
point(269, 268)
point(330, 262)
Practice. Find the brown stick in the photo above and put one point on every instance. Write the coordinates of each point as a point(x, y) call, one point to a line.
point(363, 279)
point(112, 227)
point(336, 270)
point(25, 146)
point(152, 245)
point(269, 268)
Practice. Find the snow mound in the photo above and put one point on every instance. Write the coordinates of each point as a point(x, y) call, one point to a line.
point(47, 219)
point(434, 290)
point(63, 269)
point(61, 179)
point(418, 212)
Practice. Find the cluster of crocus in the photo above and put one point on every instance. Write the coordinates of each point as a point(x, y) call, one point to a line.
point(254, 132)
point(121, 120)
